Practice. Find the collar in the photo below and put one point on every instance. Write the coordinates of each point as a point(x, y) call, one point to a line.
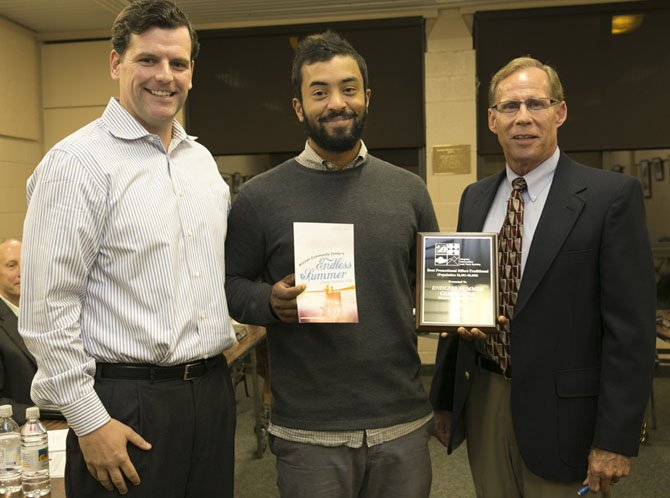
point(311, 159)
point(123, 125)
point(539, 178)
point(11, 306)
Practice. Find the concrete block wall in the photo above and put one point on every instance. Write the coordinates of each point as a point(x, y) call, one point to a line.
point(66, 110)
point(450, 120)
point(20, 123)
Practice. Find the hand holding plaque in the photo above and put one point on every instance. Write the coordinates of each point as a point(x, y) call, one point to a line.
point(457, 281)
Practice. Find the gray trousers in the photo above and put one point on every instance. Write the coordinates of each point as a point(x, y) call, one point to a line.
point(397, 469)
point(498, 469)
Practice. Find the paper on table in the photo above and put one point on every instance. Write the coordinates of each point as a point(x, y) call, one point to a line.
point(324, 261)
point(57, 452)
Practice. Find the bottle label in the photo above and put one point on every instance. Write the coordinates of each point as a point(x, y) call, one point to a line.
point(35, 459)
point(10, 455)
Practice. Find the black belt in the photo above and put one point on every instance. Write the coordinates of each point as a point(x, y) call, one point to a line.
point(492, 366)
point(130, 371)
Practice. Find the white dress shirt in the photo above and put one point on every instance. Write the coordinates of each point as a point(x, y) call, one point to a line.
point(123, 259)
point(538, 182)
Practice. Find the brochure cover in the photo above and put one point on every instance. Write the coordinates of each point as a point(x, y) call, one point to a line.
point(324, 261)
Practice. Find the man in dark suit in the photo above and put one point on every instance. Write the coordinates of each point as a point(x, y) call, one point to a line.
point(17, 365)
point(566, 404)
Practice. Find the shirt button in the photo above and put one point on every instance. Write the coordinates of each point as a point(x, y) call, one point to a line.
point(181, 194)
point(202, 315)
point(196, 274)
point(189, 233)
point(467, 375)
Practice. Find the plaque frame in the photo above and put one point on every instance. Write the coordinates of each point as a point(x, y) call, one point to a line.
point(441, 309)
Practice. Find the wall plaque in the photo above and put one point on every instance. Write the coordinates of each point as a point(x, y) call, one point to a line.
point(451, 159)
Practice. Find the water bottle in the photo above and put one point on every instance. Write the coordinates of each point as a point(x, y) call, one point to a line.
point(10, 453)
point(35, 456)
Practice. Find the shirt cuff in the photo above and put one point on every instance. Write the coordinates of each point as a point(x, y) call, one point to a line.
point(86, 415)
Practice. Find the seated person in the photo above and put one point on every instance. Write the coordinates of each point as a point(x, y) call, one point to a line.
point(17, 365)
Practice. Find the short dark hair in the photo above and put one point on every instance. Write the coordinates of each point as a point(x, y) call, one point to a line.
point(322, 47)
point(142, 15)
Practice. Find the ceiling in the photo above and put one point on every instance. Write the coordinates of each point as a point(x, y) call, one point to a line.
point(76, 19)
point(82, 19)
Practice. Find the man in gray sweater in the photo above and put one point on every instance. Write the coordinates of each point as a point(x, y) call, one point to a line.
point(350, 418)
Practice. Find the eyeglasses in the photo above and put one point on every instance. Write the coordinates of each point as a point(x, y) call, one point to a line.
point(532, 105)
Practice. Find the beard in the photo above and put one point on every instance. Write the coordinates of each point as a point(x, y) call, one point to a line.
point(341, 139)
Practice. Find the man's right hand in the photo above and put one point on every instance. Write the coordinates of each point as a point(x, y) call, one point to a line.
point(283, 299)
point(442, 429)
point(106, 455)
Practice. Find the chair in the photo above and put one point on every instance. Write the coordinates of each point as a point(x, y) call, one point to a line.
point(662, 333)
point(662, 358)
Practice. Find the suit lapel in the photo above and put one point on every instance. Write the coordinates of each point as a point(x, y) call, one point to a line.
point(563, 206)
point(480, 202)
point(9, 324)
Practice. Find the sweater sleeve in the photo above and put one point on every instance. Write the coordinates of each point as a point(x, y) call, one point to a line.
point(248, 297)
point(427, 218)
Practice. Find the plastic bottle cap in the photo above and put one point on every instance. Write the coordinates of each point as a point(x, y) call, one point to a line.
point(6, 411)
point(32, 413)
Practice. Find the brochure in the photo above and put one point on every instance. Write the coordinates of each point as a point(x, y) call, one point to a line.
point(324, 261)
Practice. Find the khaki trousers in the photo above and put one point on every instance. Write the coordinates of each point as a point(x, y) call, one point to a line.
point(498, 470)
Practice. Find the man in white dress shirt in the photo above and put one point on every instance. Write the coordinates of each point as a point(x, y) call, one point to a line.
point(124, 305)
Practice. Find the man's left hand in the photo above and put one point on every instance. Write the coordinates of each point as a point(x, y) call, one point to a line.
point(605, 468)
point(474, 333)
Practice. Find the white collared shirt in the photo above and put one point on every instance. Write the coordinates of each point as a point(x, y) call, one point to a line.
point(123, 259)
point(311, 159)
point(538, 182)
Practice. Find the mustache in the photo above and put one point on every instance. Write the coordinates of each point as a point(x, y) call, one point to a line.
point(337, 114)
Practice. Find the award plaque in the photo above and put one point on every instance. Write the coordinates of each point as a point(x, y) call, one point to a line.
point(456, 281)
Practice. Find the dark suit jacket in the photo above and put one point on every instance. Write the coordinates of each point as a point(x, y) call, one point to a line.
point(583, 333)
point(17, 365)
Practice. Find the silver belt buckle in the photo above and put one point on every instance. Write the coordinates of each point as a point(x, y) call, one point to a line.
point(187, 370)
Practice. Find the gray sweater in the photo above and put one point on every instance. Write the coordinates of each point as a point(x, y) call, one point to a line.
point(339, 376)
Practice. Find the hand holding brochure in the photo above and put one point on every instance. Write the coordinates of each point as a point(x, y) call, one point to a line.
point(324, 261)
